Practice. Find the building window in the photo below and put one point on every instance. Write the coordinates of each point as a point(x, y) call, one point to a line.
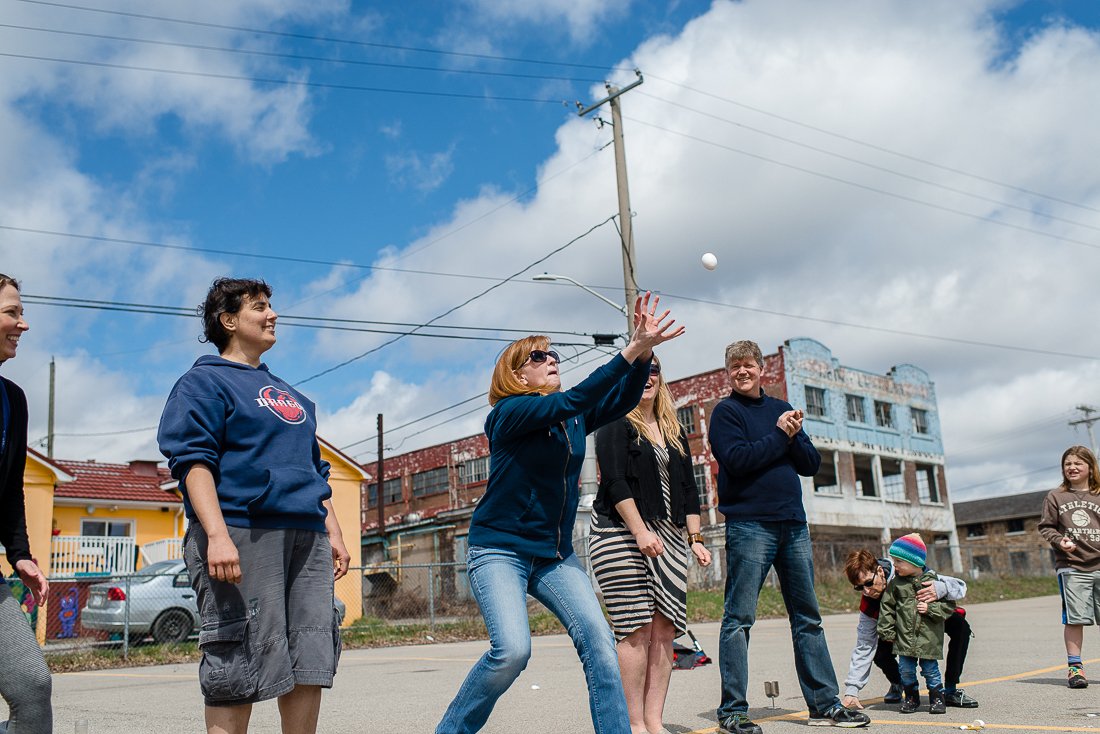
point(893, 481)
point(825, 481)
point(815, 402)
point(107, 528)
point(701, 471)
point(855, 409)
point(920, 420)
point(1020, 562)
point(686, 416)
point(984, 564)
point(976, 530)
point(884, 414)
point(474, 470)
point(391, 495)
point(433, 481)
point(865, 476)
point(927, 488)
point(1014, 526)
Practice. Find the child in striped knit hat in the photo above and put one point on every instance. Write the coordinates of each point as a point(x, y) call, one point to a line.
point(915, 627)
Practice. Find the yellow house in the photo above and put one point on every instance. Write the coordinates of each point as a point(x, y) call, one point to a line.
point(88, 519)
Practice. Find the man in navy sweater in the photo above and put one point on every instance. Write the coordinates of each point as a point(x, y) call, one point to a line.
point(761, 451)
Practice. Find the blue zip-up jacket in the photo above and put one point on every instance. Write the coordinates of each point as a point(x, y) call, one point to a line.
point(758, 465)
point(257, 435)
point(536, 448)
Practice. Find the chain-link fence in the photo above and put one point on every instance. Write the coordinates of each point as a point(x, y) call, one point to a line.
point(156, 606)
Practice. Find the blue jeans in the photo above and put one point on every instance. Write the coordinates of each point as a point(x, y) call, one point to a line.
point(501, 581)
point(752, 548)
point(930, 669)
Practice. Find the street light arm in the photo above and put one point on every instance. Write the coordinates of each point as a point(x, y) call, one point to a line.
point(547, 276)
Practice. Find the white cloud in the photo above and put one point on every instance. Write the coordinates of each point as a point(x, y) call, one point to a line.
point(582, 18)
point(421, 172)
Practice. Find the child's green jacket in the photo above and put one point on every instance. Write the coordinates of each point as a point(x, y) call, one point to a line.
point(913, 634)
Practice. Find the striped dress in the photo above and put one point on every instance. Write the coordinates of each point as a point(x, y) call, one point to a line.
point(635, 586)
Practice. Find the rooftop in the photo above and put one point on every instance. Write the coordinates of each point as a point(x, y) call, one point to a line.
point(138, 481)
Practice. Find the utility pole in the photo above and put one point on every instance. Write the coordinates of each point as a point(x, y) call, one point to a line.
point(626, 228)
point(1088, 420)
point(49, 418)
point(381, 493)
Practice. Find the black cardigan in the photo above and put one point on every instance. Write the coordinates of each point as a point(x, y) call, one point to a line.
point(13, 515)
point(628, 469)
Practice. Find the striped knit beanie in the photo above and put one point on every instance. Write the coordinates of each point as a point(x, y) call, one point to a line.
point(910, 548)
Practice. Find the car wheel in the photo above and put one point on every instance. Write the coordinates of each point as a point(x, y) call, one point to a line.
point(172, 626)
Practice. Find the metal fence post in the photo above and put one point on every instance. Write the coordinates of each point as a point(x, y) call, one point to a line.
point(126, 624)
point(431, 597)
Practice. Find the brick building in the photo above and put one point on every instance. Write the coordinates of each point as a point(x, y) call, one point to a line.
point(879, 435)
point(999, 535)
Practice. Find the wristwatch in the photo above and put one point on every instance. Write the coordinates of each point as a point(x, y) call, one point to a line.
point(694, 538)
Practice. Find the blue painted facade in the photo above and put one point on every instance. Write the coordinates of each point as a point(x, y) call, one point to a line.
point(914, 425)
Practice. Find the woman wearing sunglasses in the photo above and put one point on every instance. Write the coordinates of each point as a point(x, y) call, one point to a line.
point(521, 534)
point(639, 555)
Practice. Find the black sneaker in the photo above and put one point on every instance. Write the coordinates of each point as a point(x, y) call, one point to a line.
point(894, 694)
point(845, 718)
point(738, 723)
point(1077, 677)
point(959, 699)
point(911, 701)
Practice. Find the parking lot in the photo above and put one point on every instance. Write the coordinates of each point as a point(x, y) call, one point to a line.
point(1016, 670)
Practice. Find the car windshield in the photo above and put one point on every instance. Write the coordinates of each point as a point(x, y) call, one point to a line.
point(160, 568)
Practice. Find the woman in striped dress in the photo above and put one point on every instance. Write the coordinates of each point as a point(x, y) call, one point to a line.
point(639, 555)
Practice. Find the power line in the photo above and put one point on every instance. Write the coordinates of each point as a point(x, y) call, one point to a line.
point(324, 39)
point(464, 303)
point(299, 57)
point(881, 329)
point(281, 82)
point(872, 146)
point(309, 322)
point(866, 187)
point(1005, 479)
point(873, 166)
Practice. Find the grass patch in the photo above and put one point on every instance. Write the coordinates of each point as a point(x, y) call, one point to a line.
point(101, 658)
point(835, 596)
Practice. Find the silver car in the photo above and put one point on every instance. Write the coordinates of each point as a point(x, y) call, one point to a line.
point(160, 599)
point(161, 602)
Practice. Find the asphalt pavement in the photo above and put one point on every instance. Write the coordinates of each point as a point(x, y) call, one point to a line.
point(1016, 670)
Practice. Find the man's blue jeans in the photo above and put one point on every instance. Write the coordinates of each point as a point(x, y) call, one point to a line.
point(501, 581)
point(752, 548)
point(930, 669)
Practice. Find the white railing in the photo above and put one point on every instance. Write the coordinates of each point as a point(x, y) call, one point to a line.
point(168, 549)
point(71, 555)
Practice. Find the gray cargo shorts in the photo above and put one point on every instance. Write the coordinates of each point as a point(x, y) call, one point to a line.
point(275, 630)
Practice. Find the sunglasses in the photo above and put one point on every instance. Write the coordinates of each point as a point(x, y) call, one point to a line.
point(538, 356)
point(866, 584)
point(654, 368)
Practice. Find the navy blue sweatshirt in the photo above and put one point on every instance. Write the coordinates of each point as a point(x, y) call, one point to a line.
point(257, 435)
point(536, 448)
point(758, 465)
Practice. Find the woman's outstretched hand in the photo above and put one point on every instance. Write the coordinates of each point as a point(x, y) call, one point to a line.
point(650, 329)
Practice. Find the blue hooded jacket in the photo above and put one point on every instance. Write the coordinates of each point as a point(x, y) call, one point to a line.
point(536, 448)
point(258, 437)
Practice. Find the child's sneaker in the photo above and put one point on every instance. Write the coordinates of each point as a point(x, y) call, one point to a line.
point(936, 700)
point(1077, 677)
point(911, 702)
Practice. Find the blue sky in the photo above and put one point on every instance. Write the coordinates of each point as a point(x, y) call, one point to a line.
point(766, 132)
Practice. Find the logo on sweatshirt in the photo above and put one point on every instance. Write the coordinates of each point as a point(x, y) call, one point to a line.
point(282, 404)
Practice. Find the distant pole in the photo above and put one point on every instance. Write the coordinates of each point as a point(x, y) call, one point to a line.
point(1088, 420)
point(49, 418)
point(380, 493)
point(626, 225)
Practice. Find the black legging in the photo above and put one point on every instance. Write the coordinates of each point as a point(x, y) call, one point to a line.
point(957, 629)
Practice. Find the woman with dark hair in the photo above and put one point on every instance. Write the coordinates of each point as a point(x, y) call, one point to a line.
point(1071, 524)
point(263, 546)
point(647, 497)
point(24, 678)
point(521, 533)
